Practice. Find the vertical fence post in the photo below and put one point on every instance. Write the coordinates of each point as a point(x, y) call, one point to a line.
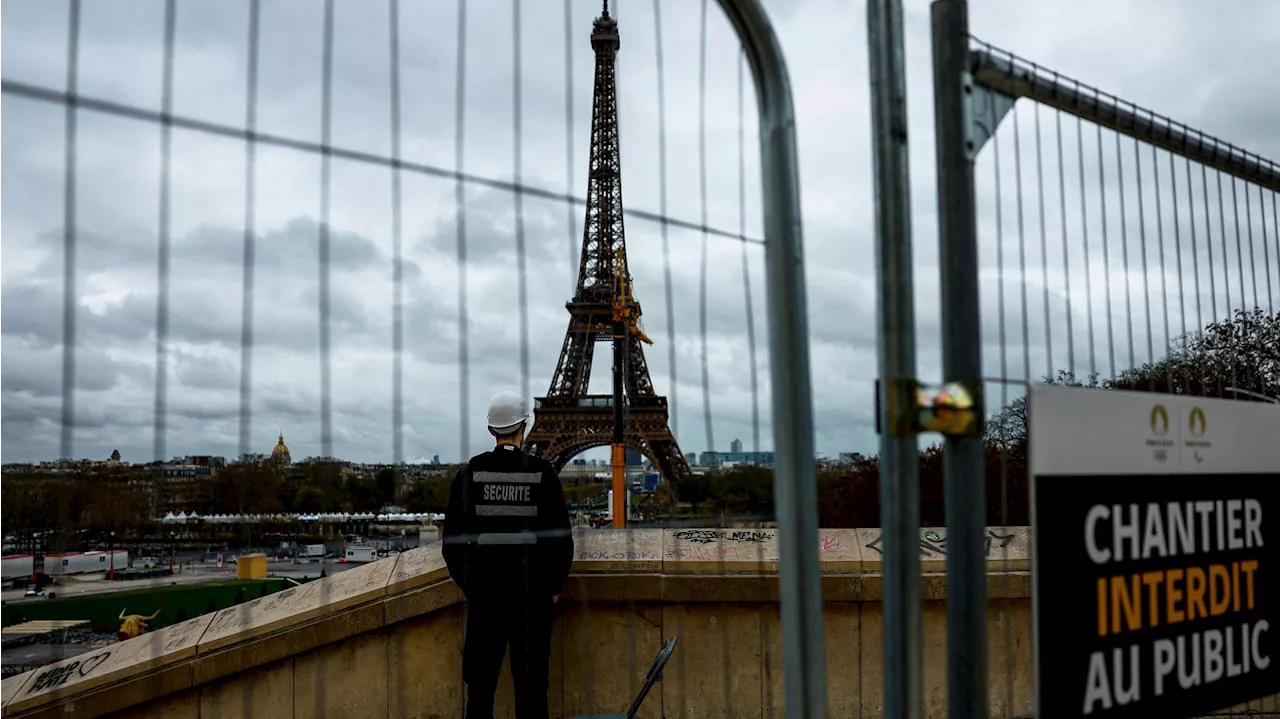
point(795, 481)
point(961, 361)
point(899, 470)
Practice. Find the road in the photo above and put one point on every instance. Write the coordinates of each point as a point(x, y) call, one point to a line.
point(190, 574)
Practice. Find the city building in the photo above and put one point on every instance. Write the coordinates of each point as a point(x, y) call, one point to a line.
point(729, 459)
point(201, 460)
point(183, 487)
point(735, 447)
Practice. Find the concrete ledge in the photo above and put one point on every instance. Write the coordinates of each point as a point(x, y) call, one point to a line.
point(415, 568)
point(293, 641)
point(298, 604)
point(623, 567)
point(423, 600)
point(123, 693)
point(637, 550)
point(110, 665)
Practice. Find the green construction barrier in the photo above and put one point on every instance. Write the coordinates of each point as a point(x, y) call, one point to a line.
point(176, 603)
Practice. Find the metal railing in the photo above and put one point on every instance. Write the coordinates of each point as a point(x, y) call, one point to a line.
point(433, 185)
point(269, 192)
point(1146, 216)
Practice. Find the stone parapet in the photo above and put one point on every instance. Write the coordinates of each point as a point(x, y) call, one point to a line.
point(658, 568)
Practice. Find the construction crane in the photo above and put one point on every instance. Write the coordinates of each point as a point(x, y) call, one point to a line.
point(626, 324)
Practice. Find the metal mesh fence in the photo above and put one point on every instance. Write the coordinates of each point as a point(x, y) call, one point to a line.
point(372, 225)
point(353, 244)
point(1117, 249)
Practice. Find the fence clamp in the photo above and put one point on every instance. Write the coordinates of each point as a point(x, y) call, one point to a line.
point(953, 408)
point(983, 110)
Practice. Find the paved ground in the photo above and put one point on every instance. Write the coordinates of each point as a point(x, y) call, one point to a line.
point(297, 571)
point(33, 655)
point(22, 658)
point(192, 574)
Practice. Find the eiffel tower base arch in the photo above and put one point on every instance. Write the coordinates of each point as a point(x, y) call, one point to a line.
point(560, 433)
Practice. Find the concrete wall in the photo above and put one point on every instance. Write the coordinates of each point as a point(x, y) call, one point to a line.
point(385, 639)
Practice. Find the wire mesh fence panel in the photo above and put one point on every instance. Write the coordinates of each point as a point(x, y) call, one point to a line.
point(1118, 249)
point(282, 263)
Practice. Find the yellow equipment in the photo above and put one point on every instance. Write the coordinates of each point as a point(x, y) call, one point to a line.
point(626, 322)
point(134, 624)
point(251, 566)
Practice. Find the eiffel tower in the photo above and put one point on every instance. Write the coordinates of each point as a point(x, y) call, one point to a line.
point(569, 420)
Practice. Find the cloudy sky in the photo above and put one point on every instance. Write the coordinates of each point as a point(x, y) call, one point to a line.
point(1203, 64)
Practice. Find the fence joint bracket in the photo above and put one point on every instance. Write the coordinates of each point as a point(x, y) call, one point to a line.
point(983, 110)
point(954, 409)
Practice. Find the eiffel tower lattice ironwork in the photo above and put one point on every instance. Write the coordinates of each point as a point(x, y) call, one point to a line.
point(569, 420)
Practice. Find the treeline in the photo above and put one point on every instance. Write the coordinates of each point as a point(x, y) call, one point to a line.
point(324, 486)
point(90, 502)
point(1237, 358)
point(93, 500)
point(317, 485)
point(1227, 359)
point(849, 496)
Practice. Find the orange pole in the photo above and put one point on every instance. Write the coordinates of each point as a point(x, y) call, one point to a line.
point(619, 486)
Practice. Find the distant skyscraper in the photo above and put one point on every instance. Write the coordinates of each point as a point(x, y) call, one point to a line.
point(736, 446)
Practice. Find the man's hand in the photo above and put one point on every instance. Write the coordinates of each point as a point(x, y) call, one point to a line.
point(555, 598)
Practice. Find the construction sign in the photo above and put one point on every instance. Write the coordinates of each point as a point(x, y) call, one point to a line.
point(1156, 552)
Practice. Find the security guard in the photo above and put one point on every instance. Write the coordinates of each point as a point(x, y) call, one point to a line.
point(508, 545)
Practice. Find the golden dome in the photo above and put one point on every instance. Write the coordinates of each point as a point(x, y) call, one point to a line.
point(281, 451)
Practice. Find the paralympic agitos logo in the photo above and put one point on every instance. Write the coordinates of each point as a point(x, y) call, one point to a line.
point(1158, 421)
point(1197, 423)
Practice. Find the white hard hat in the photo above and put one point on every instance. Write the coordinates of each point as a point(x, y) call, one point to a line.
point(507, 411)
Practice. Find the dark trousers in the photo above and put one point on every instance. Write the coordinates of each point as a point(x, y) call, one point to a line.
point(493, 623)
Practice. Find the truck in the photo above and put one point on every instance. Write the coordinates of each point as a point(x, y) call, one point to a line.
point(17, 565)
point(84, 562)
point(360, 553)
point(312, 550)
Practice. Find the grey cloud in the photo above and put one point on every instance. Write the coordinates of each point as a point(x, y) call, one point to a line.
point(490, 221)
point(205, 372)
point(492, 304)
point(1217, 87)
point(204, 306)
point(203, 411)
point(292, 249)
point(37, 371)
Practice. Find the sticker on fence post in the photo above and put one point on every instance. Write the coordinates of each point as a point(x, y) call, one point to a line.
point(1156, 552)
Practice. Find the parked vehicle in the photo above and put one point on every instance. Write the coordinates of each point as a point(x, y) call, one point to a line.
point(84, 562)
point(360, 554)
point(16, 565)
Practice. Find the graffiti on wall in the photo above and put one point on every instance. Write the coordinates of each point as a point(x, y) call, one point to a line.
point(934, 544)
point(708, 536)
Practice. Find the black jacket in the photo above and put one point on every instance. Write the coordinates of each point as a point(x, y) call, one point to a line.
point(506, 528)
